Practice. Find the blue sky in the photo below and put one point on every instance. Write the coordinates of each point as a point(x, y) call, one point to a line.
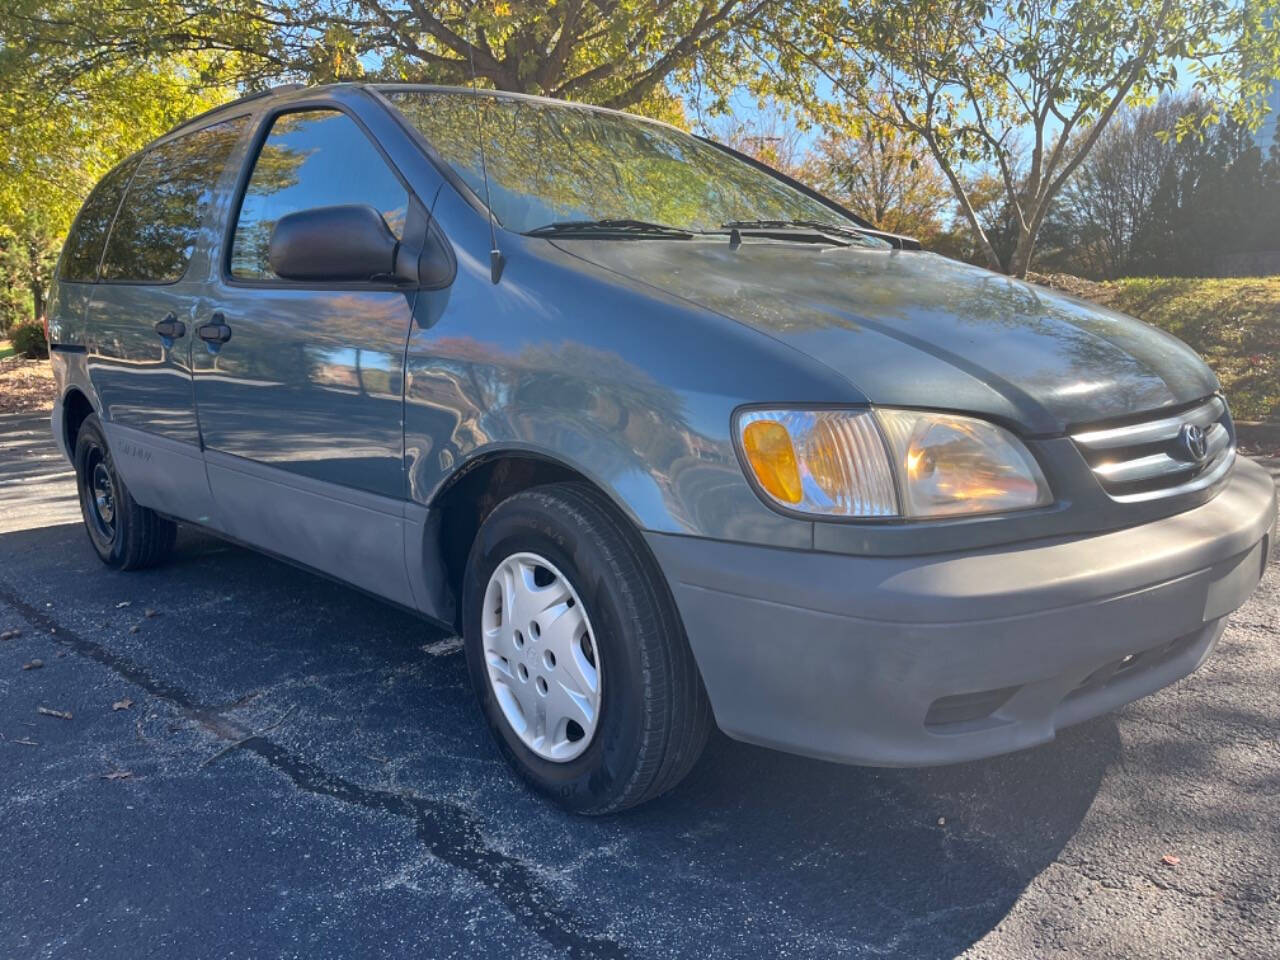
point(1266, 134)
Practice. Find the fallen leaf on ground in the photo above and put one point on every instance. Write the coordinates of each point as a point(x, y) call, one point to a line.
point(442, 648)
point(25, 385)
point(124, 704)
point(117, 775)
point(10, 634)
point(49, 712)
point(33, 665)
point(1169, 860)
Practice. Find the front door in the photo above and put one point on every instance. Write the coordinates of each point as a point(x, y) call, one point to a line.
point(300, 385)
point(143, 311)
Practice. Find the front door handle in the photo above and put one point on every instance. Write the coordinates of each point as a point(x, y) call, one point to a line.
point(215, 331)
point(171, 327)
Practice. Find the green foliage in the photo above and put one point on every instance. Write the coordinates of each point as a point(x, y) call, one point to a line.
point(28, 250)
point(624, 53)
point(28, 340)
point(84, 83)
point(1233, 323)
point(620, 54)
point(1216, 202)
point(977, 81)
point(884, 175)
point(78, 92)
point(1144, 205)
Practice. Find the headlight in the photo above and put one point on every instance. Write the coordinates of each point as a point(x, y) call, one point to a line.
point(829, 462)
point(949, 464)
point(887, 463)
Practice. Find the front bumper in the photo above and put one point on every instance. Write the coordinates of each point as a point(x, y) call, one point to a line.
point(906, 661)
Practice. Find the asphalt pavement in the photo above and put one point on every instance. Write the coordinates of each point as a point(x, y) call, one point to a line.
point(260, 763)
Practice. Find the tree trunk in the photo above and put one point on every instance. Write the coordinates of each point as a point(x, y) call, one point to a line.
point(1020, 262)
point(37, 300)
point(33, 281)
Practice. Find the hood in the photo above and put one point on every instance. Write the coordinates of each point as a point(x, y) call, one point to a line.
point(916, 329)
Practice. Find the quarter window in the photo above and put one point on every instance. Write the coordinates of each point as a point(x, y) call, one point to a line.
point(84, 244)
point(155, 232)
point(312, 158)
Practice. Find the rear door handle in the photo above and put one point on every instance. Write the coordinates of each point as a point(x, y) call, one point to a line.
point(171, 327)
point(215, 331)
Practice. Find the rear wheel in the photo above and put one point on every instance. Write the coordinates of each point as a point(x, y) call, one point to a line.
point(125, 535)
point(577, 654)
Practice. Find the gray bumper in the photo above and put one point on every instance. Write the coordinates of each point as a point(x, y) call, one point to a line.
point(935, 659)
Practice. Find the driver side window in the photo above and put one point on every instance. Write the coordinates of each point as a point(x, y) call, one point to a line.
point(311, 158)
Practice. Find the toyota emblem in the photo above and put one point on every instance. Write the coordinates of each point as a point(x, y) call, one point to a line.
point(1191, 439)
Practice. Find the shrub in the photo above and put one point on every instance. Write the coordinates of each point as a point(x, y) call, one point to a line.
point(28, 339)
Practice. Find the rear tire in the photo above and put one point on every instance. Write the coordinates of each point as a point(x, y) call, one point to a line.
point(124, 535)
point(649, 717)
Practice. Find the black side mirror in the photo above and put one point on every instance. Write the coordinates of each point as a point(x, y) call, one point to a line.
point(334, 244)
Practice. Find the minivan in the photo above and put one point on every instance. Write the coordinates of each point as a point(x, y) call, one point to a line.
point(670, 439)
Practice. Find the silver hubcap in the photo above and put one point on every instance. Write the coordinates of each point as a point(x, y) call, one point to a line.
point(543, 665)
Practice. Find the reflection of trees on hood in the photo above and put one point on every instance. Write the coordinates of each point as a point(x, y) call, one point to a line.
point(1095, 343)
point(549, 162)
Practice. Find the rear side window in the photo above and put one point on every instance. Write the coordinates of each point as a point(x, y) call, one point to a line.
point(155, 232)
point(84, 243)
point(311, 158)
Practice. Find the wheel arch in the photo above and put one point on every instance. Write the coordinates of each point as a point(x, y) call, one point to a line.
point(75, 409)
point(468, 496)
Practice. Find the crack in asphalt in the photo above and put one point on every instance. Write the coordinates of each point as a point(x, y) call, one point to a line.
point(448, 832)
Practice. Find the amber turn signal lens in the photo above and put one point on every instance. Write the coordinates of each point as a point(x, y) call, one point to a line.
point(772, 458)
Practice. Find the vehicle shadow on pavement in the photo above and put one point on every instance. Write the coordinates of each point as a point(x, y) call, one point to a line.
point(756, 854)
point(36, 485)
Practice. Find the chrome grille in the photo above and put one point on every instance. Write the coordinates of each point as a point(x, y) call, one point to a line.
point(1157, 457)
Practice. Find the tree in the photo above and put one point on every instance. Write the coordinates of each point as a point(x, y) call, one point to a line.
point(771, 135)
point(1144, 204)
point(879, 172)
point(618, 53)
point(61, 139)
point(28, 251)
point(1108, 205)
point(971, 78)
point(1216, 199)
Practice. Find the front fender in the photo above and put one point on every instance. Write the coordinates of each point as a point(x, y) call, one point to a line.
point(626, 386)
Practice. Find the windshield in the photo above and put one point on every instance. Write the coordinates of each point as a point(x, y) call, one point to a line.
point(552, 162)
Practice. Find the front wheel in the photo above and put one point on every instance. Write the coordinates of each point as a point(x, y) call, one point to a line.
point(125, 535)
point(577, 654)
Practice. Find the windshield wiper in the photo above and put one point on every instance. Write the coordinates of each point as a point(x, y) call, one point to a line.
point(622, 227)
point(852, 231)
point(802, 231)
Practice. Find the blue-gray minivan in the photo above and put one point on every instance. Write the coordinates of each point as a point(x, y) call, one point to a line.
point(668, 437)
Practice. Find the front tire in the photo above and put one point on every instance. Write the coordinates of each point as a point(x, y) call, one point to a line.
point(124, 535)
point(577, 653)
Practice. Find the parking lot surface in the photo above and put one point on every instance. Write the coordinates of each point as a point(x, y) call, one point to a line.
point(260, 763)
